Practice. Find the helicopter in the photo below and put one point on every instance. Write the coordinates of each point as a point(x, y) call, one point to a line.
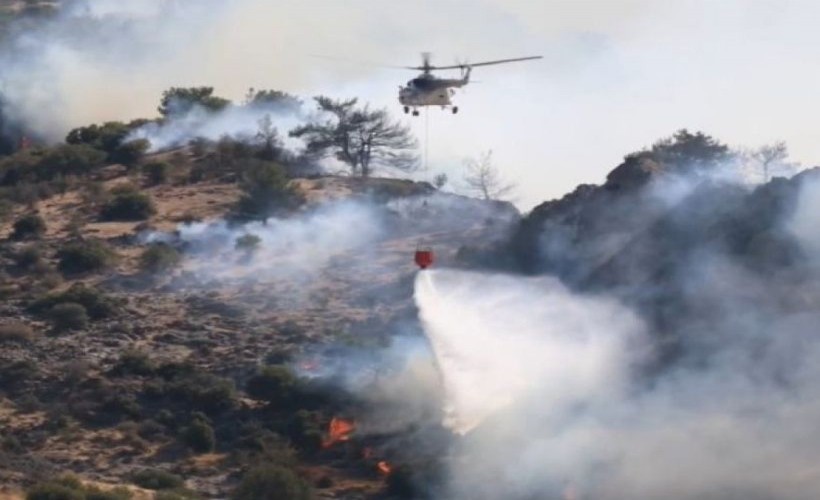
point(429, 90)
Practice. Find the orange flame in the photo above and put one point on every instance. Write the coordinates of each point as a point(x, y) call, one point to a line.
point(384, 468)
point(339, 430)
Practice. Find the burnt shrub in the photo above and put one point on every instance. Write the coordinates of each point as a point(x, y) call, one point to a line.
point(272, 481)
point(127, 204)
point(96, 303)
point(199, 436)
point(29, 226)
point(68, 316)
point(85, 257)
point(155, 479)
point(159, 257)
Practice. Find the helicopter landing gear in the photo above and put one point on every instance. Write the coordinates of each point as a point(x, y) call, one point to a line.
point(406, 109)
point(415, 112)
point(455, 109)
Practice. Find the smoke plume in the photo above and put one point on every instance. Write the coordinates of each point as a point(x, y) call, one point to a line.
point(545, 381)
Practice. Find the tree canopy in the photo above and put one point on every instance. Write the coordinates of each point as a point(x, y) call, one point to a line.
point(181, 100)
point(361, 138)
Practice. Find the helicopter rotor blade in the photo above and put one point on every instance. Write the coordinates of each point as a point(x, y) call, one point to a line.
point(484, 63)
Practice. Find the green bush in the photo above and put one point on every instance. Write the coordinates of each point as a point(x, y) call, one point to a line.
point(28, 226)
point(133, 362)
point(159, 257)
point(97, 304)
point(130, 153)
point(155, 479)
point(29, 258)
point(272, 383)
point(266, 190)
point(157, 172)
point(85, 257)
point(54, 491)
point(128, 205)
point(68, 316)
point(199, 436)
point(205, 392)
point(272, 482)
point(68, 159)
point(305, 430)
point(93, 493)
point(106, 137)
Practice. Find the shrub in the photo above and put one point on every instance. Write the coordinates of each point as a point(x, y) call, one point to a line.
point(97, 304)
point(54, 491)
point(159, 257)
point(68, 159)
point(16, 332)
point(248, 242)
point(272, 481)
point(119, 493)
point(273, 383)
point(85, 257)
point(157, 172)
point(28, 258)
point(17, 371)
point(28, 226)
point(155, 479)
point(133, 362)
point(304, 430)
point(266, 190)
point(130, 153)
point(127, 205)
point(205, 392)
point(199, 436)
point(68, 316)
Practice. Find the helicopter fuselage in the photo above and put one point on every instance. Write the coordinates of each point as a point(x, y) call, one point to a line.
point(427, 90)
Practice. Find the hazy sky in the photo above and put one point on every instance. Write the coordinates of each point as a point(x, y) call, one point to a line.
point(617, 74)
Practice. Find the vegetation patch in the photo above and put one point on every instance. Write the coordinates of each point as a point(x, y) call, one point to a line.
point(128, 205)
point(85, 256)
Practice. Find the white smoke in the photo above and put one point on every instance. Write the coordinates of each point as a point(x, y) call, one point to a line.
point(544, 378)
point(237, 122)
point(299, 247)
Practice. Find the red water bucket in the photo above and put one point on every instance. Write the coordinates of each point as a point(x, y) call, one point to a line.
point(425, 258)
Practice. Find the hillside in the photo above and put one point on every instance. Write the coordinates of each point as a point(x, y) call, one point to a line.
point(106, 399)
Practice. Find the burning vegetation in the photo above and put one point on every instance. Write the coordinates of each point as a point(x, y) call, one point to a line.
point(339, 431)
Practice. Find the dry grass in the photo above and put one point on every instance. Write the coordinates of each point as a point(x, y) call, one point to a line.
point(16, 332)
